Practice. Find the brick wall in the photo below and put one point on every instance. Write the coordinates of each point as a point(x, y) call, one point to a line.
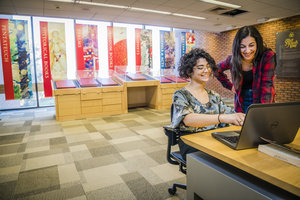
point(219, 45)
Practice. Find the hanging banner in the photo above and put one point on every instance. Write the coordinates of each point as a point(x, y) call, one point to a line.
point(110, 41)
point(120, 46)
point(6, 60)
point(54, 56)
point(187, 42)
point(46, 59)
point(16, 59)
point(138, 48)
point(86, 48)
point(162, 49)
point(146, 50)
point(57, 49)
point(79, 46)
point(190, 41)
point(183, 43)
point(167, 49)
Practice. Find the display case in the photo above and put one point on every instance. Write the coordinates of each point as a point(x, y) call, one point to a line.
point(134, 79)
point(169, 83)
point(89, 96)
point(67, 99)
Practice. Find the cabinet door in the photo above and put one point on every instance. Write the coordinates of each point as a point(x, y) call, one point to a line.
point(111, 98)
point(68, 105)
point(91, 106)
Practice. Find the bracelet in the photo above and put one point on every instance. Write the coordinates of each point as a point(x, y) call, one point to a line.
point(219, 118)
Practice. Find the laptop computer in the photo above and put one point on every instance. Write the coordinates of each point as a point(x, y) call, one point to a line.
point(277, 122)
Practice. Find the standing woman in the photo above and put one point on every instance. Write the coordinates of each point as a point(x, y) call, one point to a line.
point(252, 68)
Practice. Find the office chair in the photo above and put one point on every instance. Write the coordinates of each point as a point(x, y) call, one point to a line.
point(174, 157)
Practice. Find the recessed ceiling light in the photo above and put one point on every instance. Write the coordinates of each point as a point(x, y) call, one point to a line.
point(189, 16)
point(221, 3)
point(126, 7)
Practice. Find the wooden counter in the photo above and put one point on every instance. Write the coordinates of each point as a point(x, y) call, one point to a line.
point(263, 166)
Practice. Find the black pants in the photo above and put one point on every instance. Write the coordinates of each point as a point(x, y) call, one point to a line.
point(185, 149)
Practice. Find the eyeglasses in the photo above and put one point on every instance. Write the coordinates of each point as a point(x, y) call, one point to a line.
point(202, 69)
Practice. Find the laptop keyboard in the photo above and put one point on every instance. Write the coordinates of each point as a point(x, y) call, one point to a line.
point(231, 139)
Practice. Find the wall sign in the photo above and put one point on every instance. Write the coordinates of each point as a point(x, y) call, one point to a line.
point(288, 54)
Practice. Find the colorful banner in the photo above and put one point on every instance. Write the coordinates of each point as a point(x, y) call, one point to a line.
point(79, 47)
point(46, 59)
point(146, 50)
point(110, 41)
point(87, 46)
point(57, 49)
point(167, 49)
point(187, 42)
point(183, 43)
point(120, 46)
point(138, 48)
point(190, 41)
point(6, 60)
point(162, 49)
point(16, 59)
point(143, 49)
point(54, 56)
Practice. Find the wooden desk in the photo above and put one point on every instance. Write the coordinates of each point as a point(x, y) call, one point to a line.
point(265, 167)
point(140, 92)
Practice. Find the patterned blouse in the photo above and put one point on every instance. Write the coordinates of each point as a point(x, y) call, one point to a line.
point(185, 103)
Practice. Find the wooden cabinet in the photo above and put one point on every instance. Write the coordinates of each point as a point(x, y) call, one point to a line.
point(80, 103)
point(68, 104)
point(114, 100)
point(91, 101)
point(77, 103)
point(165, 96)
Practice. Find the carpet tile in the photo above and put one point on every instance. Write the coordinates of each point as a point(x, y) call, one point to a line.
point(119, 157)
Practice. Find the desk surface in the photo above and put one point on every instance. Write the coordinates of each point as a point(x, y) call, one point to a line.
point(263, 166)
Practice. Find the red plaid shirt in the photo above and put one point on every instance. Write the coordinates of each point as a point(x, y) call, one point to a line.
point(263, 80)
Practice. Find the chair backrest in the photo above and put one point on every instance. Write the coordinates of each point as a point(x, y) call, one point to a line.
point(173, 137)
point(172, 133)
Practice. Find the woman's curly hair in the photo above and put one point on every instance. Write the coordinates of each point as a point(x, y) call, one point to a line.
point(189, 60)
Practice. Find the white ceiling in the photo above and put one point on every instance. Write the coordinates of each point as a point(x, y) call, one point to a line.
point(214, 22)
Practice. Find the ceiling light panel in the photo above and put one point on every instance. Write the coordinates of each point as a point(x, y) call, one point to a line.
point(221, 3)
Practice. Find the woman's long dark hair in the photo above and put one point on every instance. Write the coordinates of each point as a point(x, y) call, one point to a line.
point(236, 60)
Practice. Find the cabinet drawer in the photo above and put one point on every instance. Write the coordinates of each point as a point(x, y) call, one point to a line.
point(68, 98)
point(113, 89)
point(91, 109)
point(108, 108)
point(112, 98)
point(88, 103)
point(69, 108)
point(91, 95)
point(168, 90)
point(167, 97)
point(167, 103)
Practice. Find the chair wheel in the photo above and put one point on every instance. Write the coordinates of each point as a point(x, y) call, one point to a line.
point(172, 190)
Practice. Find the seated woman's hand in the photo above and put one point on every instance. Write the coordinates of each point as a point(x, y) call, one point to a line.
point(235, 118)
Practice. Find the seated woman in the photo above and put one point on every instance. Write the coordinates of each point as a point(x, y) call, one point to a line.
point(196, 108)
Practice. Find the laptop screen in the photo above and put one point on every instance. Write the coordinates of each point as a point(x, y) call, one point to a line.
point(277, 122)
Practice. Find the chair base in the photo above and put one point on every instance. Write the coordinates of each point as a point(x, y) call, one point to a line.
point(172, 190)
